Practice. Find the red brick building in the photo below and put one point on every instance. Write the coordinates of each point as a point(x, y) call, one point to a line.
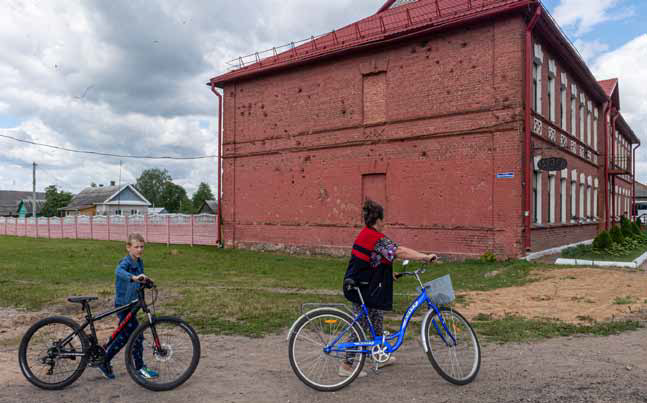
point(438, 109)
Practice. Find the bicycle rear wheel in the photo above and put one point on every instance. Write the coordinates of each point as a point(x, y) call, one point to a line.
point(312, 365)
point(170, 347)
point(458, 362)
point(47, 359)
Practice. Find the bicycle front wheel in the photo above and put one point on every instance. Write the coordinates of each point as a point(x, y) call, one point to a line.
point(453, 349)
point(321, 370)
point(52, 353)
point(169, 348)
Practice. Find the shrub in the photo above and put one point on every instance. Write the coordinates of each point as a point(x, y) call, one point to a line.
point(626, 227)
point(602, 241)
point(636, 228)
point(616, 235)
point(488, 257)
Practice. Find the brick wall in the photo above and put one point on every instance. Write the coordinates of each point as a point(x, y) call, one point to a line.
point(300, 145)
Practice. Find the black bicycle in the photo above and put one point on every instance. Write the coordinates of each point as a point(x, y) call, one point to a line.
point(56, 350)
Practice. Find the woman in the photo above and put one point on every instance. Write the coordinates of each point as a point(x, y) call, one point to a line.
point(371, 263)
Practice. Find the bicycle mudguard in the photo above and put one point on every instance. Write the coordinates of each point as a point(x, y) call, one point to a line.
point(423, 334)
point(314, 311)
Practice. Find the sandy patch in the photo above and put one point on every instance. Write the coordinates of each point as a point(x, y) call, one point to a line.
point(571, 295)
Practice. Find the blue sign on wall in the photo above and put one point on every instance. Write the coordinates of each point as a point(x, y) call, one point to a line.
point(505, 175)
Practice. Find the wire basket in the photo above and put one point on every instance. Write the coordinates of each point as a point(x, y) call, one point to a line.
point(440, 290)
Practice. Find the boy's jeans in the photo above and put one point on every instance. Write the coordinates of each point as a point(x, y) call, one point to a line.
point(122, 339)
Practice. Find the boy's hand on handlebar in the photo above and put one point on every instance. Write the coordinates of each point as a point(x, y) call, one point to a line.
point(142, 278)
point(396, 275)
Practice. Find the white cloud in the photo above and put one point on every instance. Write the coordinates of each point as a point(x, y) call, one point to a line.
point(128, 77)
point(583, 15)
point(629, 64)
point(589, 50)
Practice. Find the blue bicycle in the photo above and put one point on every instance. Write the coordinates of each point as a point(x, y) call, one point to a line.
point(323, 339)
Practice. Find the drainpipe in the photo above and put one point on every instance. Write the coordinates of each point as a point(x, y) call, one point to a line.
point(607, 121)
point(633, 184)
point(527, 134)
point(219, 212)
point(616, 114)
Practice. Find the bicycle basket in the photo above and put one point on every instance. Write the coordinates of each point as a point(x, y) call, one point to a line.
point(440, 290)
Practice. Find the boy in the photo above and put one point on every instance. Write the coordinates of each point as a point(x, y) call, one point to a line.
point(128, 276)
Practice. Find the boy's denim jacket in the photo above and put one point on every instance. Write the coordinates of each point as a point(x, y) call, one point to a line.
point(125, 289)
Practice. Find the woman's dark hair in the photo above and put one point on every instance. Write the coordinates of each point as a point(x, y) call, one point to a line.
point(372, 211)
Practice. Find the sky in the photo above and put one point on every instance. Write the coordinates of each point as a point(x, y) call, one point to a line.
point(128, 77)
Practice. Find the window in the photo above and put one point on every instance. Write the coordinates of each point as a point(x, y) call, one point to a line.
point(573, 196)
point(536, 78)
point(536, 188)
point(563, 86)
point(588, 197)
point(595, 129)
point(582, 191)
point(552, 73)
point(133, 212)
point(562, 195)
point(595, 197)
point(589, 110)
point(574, 110)
point(551, 197)
point(118, 212)
point(582, 133)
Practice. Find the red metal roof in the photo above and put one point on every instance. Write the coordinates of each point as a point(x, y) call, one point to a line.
point(387, 24)
point(608, 86)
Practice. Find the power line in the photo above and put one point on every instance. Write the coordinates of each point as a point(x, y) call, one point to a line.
point(150, 157)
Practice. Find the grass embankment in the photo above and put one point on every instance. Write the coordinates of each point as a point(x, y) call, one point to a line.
point(225, 291)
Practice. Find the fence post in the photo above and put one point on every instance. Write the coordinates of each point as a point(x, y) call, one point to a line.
point(16, 234)
point(192, 229)
point(91, 228)
point(146, 227)
point(108, 227)
point(49, 234)
point(76, 227)
point(126, 226)
point(62, 221)
point(168, 230)
point(36, 222)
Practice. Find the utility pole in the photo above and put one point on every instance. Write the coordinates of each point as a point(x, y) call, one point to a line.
point(34, 193)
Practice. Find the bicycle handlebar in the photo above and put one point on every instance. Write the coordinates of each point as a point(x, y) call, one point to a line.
point(421, 270)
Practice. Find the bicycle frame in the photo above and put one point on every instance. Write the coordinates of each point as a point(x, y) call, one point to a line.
point(133, 307)
point(421, 300)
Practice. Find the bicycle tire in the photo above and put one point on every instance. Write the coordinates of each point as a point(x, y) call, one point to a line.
point(171, 349)
point(27, 341)
point(466, 339)
point(299, 368)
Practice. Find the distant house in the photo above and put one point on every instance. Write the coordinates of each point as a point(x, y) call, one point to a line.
point(157, 210)
point(209, 207)
point(108, 200)
point(26, 207)
point(10, 199)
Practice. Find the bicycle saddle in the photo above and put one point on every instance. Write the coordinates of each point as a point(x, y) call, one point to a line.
point(349, 283)
point(81, 300)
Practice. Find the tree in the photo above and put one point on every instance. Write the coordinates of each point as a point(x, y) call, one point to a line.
point(174, 199)
point(152, 184)
point(54, 200)
point(203, 193)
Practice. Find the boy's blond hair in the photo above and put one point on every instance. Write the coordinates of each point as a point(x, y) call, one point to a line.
point(135, 237)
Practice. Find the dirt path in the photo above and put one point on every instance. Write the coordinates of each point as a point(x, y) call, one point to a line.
point(237, 369)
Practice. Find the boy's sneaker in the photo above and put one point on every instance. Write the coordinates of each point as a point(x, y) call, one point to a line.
point(106, 370)
point(147, 373)
point(344, 372)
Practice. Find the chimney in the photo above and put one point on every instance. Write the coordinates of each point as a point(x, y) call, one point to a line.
point(112, 183)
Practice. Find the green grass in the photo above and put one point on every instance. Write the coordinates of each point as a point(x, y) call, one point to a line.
point(220, 291)
point(585, 252)
point(624, 300)
point(518, 329)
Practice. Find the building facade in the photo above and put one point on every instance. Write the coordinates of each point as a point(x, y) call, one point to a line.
point(440, 114)
point(108, 200)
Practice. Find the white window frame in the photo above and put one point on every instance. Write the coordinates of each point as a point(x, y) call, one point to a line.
point(551, 197)
point(595, 129)
point(563, 85)
point(589, 110)
point(562, 182)
point(582, 128)
point(589, 186)
point(537, 70)
point(582, 196)
point(574, 110)
point(573, 195)
point(595, 198)
point(552, 74)
point(538, 192)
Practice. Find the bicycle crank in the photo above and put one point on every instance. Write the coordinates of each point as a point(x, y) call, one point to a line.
point(379, 354)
